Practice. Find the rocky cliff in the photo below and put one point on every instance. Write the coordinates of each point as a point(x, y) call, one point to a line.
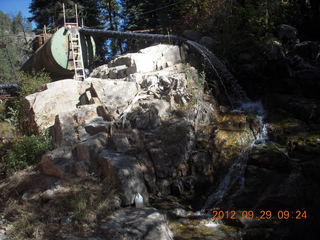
point(143, 139)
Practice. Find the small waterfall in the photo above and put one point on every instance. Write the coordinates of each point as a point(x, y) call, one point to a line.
point(232, 89)
point(235, 175)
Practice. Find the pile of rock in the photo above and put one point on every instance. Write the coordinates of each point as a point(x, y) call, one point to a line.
point(140, 122)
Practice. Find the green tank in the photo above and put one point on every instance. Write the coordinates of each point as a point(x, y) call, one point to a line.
point(55, 57)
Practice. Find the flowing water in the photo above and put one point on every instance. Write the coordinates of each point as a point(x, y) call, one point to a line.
point(233, 91)
point(235, 175)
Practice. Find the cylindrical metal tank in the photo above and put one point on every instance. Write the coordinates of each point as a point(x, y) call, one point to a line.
point(55, 55)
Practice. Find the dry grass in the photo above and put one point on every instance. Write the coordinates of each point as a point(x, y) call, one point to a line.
point(85, 202)
point(6, 131)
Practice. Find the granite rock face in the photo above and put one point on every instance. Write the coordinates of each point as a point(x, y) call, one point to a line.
point(136, 224)
point(135, 122)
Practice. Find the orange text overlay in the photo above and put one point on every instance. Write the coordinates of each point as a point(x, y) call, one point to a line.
point(262, 214)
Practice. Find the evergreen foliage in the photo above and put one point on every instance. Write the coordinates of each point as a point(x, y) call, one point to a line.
point(13, 45)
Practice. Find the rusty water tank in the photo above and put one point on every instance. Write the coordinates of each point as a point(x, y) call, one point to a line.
point(55, 56)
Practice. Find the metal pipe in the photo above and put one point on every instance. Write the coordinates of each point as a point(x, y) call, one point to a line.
point(64, 14)
point(8, 85)
point(132, 35)
point(233, 90)
point(76, 9)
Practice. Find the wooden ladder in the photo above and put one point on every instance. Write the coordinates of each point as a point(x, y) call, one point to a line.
point(75, 43)
point(76, 49)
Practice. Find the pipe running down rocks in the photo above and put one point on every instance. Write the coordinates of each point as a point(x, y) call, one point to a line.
point(234, 92)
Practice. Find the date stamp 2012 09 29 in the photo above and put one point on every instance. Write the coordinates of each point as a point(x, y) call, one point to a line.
point(262, 214)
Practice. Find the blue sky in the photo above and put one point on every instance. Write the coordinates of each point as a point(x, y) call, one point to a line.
point(12, 7)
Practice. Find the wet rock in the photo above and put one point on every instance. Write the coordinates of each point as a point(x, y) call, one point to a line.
point(270, 157)
point(280, 128)
point(304, 143)
point(136, 224)
point(232, 121)
point(180, 212)
point(234, 134)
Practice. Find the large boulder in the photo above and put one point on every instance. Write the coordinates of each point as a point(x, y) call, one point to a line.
point(61, 102)
point(136, 224)
point(70, 127)
point(146, 60)
point(61, 96)
point(144, 131)
point(57, 163)
point(115, 95)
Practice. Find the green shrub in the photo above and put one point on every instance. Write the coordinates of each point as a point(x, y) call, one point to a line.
point(26, 151)
point(28, 84)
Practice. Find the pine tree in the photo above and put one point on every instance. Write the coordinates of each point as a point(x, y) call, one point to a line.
point(50, 12)
point(13, 46)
